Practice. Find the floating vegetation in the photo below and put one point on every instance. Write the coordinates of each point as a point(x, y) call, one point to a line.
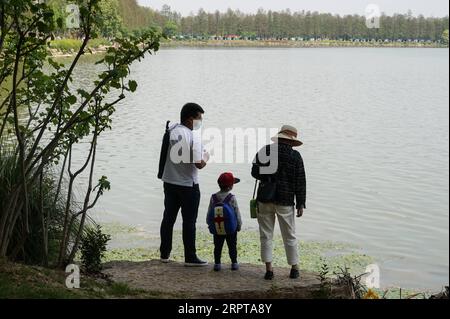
point(312, 254)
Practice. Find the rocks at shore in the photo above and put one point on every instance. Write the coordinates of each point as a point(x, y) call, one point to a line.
point(69, 53)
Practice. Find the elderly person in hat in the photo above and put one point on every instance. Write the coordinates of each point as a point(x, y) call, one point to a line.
point(281, 195)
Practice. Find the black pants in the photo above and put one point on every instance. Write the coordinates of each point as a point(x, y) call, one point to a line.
point(232, 247)
point(188, 199)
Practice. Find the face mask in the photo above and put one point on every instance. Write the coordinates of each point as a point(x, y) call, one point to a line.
point(197, 124)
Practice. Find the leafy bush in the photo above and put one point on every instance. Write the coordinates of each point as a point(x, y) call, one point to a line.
point(93, 248)
point(324, 291)
point(38, 96)
point(72, 45)
point(66, 45)
point(95, 43)
point(47, 209)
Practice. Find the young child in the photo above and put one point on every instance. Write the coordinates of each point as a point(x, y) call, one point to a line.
point(224, 220)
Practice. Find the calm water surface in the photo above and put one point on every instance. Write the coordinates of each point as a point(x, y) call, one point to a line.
point(375, 126)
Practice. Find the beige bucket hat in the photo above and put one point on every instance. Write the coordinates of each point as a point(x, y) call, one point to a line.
point(289, 133)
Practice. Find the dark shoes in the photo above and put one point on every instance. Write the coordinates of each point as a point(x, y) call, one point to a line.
point(294, 273)
point(196, 263)
point(269, 275)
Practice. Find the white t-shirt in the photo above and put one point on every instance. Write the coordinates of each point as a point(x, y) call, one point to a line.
point(184, 150)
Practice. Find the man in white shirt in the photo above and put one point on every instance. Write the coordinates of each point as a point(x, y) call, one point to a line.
point(185, 157)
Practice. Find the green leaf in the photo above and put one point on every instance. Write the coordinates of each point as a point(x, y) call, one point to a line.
point(116, 84)
point(132, 85)
point(109, 59)
point(59, 23)
point(72, 99)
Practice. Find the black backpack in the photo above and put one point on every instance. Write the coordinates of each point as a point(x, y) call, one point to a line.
point(164, 151)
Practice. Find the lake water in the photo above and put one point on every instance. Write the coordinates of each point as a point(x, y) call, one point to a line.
point(375, 127)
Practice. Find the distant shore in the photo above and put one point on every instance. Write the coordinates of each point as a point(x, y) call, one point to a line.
point(297, 44)
point(69, 47)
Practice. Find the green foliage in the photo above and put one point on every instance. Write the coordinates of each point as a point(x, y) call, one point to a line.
point(170, 29)
point(103, 184)
point(111, 22)
point(19, 281)
point(312, 254)
point(445, 37)
point(73, 45)
point(136, 17)
point(66, 45)
point(307, 25)
point(324, 291)
point(43, 115)
point(93, 248)
point(125, 16)
point(121, 290)
point(44, 197)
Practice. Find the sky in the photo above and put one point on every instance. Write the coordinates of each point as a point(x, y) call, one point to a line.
point(436, 8)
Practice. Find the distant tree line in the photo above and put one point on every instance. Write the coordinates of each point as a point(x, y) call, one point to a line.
point(287, 24)
point(127, 16)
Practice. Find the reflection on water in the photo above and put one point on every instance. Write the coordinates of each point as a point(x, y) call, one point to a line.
point(375, 127)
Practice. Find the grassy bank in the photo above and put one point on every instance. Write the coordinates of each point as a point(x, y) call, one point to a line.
point(67, 47)
point(71, 46)
point(297, 44)
point(19, 281)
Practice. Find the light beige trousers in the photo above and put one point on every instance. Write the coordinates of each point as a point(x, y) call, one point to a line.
point(267, 212)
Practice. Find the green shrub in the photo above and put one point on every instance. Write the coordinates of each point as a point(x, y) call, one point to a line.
point(46, 211)
point(66, 45)
point(93, 247)
point(95, 43)
point(69, 45)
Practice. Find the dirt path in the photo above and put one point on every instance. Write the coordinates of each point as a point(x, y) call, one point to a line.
point(248, 282)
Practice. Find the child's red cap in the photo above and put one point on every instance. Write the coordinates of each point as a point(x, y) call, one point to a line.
point(227, 180)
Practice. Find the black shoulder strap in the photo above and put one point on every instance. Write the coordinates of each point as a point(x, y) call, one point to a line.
point(164, 151)
point(254, 190)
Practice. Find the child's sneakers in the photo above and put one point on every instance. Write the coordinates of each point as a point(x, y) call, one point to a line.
point(217, 267)
point(235, 266)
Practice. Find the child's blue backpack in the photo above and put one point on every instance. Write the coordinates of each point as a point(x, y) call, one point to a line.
point(222, 218)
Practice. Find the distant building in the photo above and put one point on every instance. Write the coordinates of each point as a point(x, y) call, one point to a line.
point(232, 37)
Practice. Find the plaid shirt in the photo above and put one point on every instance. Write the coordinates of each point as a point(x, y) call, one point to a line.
point(290, 176)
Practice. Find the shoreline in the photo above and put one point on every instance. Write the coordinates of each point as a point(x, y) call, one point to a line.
point(294, 44)
point(258, 44)
point(143, 276)
point(56, 53)
point(314, 254)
